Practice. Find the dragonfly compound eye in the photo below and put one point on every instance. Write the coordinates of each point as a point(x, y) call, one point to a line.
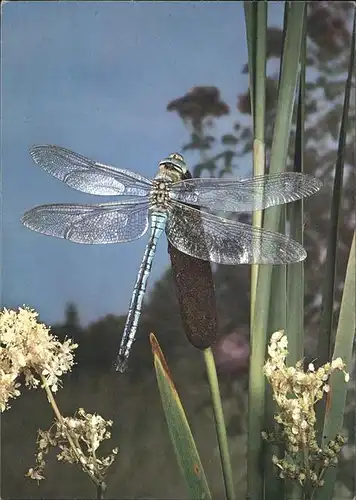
point(176, 156)
point(175, 161)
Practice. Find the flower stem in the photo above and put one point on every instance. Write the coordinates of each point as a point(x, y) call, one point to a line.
point(220, 423)
point(100, 488)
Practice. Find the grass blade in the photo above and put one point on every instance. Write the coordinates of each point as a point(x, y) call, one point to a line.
point(258, 89)
point(251, 25)
point(256, 30)
point(325, 341)
point(325, 333)
point(295, 272)
point(220, 424)
point(288, 81)
point(345, 336)
point(179, 430)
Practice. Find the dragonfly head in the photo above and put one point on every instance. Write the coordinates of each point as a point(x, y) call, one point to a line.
point(174, 164)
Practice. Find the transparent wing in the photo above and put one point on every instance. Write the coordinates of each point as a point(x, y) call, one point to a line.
point(87, 175)
point(102, 223)
point(208, 237)
point(245, 195)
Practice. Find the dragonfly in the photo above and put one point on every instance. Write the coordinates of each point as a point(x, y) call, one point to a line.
point(182, 208)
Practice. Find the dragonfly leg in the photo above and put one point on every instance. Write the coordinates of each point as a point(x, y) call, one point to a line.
point(121, 363)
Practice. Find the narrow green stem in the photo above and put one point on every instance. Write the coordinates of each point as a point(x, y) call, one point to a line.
point(60, 419)
point(100, 489)
point(220, 423)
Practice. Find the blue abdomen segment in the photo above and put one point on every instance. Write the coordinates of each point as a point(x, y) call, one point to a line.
point(158, 224)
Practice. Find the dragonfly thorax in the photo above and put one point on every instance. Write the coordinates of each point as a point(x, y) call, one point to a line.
point(159, 196)
point(171, 169)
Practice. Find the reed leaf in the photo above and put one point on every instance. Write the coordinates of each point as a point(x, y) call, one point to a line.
point(219, 423)
point(325, 334)
point(295, 272)
point(179, 430)
point(256, 29)
point(345, 334)
point(325, 339)
point(251, 38)
point(258, 98)
point(345, 338)
point(288, 81)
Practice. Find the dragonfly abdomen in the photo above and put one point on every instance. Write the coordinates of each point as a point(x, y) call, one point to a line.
point(158, 224)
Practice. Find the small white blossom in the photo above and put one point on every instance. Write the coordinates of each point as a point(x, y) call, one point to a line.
point(338, 364)
point(276, 336)
point(34, 474)
point(304, 424)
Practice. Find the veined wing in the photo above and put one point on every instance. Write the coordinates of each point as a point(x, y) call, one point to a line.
point(208, 237)
point(88, 175)
point(245, 195)
point(101, 223)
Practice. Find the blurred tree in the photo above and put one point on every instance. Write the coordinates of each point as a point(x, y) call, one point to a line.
point(71, 328)
point(103, 340)
point(197, 108)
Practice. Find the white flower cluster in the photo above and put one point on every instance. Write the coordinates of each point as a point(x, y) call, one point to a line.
point(296, 392)
point(27, 348)
point(87, 431)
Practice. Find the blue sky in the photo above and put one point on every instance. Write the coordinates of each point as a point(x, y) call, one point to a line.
point(96, 77)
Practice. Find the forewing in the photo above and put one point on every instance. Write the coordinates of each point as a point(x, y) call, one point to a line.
point(208, 237)
point(91, 224)
point(246, 195)
point(87, 175)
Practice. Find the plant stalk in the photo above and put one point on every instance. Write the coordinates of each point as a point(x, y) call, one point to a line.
point(220, 423)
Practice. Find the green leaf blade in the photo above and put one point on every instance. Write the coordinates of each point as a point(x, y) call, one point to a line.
point(179, 430)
